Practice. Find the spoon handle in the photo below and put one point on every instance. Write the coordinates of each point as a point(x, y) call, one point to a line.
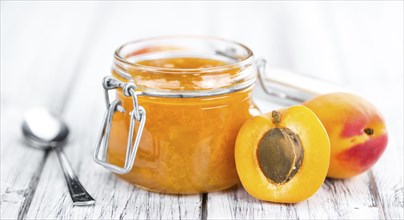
point(78, 194)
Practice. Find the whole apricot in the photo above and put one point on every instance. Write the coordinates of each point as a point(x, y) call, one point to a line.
point(356, 130)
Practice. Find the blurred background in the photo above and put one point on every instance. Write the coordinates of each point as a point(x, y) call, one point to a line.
point(357, 44)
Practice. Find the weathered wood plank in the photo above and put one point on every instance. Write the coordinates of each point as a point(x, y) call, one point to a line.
point(388, 178)
point(346, 199)
point(349, 199)
point(380, 79)
point(378, 193)
point(20, 166)
point(114, 198)
point(387, 175)
point(33, 50)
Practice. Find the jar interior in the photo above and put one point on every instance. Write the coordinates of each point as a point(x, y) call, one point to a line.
point(174, 47)
point(234, 68)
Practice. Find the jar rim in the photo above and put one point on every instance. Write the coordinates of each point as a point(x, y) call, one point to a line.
point(118, 56)
point(216, 80)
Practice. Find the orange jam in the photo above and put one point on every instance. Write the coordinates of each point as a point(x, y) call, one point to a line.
point(194, 111)
point(187, 145)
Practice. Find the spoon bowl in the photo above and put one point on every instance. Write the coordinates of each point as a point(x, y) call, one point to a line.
point(44, 130)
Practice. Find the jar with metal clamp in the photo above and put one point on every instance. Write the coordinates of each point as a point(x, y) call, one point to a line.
point(196, 92)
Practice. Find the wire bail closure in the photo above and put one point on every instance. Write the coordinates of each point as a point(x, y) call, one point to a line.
point(138, 114)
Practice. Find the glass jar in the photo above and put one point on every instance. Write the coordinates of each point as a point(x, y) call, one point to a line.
point(195, 106)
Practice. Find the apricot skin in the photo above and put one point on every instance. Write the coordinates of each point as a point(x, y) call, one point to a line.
point(345, 117)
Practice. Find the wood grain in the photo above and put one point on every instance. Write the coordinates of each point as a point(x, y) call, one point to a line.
point(344, 199)
point(115, 198)
point(359, 197)
point(28, 79)
point(387, 174)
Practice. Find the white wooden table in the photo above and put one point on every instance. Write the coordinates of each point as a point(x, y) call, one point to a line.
point(55, 54)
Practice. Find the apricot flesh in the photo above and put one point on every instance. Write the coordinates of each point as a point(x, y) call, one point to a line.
point(303, 178)
point(356, 129)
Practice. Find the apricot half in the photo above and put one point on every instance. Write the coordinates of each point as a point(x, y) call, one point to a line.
point(356, 129)
point(283, 156)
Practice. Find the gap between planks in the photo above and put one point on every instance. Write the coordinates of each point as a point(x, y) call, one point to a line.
point(204, 206)
point(374, 192)
point(29, 193)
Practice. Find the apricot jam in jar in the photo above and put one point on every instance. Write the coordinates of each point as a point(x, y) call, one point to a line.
point(197, 94)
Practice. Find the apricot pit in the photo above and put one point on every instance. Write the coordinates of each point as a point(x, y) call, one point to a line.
point(280, 153)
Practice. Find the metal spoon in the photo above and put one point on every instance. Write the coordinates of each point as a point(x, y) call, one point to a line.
point(44, 130)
